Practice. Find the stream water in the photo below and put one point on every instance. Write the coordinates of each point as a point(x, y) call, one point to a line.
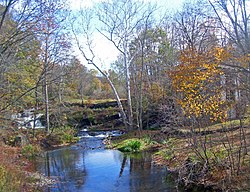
point(88, 167)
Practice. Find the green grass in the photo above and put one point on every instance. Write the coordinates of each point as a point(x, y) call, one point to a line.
point(148, 140)
point(130, 145)
point(168, 153)
point(228, 124)
point(231, 123)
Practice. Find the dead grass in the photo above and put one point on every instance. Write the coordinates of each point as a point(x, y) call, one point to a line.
point(14, 165)
point(219, 145)
point(91, 101)
point(13, 168)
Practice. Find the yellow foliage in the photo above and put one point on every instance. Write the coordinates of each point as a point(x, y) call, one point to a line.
point(197, 80)
point(97, 84)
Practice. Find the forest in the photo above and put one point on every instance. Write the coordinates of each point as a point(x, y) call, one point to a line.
point(179, 82)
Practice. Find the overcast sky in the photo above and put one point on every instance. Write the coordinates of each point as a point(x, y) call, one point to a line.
point(104, 49)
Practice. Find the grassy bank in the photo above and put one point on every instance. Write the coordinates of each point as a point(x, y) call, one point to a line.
point(216, 158)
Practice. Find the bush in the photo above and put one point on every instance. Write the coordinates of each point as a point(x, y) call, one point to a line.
point(65, 135)
point(148, 140)
point(131, 146)
point(29, 151)
point(67, 138)
point(9, 181)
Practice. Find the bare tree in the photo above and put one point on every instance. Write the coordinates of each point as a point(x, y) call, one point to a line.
point(85, 30)
point(234, 19)
point(195, 27)
point(121, 20)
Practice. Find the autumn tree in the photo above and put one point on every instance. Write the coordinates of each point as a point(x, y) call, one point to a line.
point(197, 82)
point(19, 55)
point(75, 81)
point(52, 34)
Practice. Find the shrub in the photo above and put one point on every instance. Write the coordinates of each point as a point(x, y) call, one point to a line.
point(67, 138)
point(65, 134)
point(149, 141)
point(131, 146)
point(9, 181)
point(29, 151)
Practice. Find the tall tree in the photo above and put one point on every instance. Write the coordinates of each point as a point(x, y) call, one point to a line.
point(19, 49)
point(234, 20)
point(121, 20)
point(154, 56)
point(52, 34)
point(195, 27)
point(84, 30)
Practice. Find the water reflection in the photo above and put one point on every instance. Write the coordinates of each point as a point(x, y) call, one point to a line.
point(81, 169)
point(65, 165)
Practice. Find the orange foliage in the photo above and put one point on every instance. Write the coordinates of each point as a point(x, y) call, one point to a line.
point(197, 80)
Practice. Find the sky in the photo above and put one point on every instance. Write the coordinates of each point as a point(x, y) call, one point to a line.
point(172, 4)
point(105, 51)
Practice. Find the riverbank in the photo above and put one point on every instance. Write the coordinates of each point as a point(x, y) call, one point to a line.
point(177, 153)
point(214, 170)
point(20, 146)
point(13, 170)
point(18, 150)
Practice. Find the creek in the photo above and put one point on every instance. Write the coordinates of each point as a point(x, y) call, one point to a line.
point(88, 167)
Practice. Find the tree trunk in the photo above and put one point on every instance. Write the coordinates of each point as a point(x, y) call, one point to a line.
point(46, 95)
point(128, 87)
point(123, 114)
